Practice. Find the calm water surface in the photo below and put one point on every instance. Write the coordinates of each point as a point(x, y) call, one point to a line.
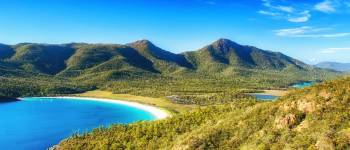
point(262, 96)
point(302, 85)
point(39, 123)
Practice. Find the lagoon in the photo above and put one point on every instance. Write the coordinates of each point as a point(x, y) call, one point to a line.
point(39, 123)
point(302, 85)
point(263, 96)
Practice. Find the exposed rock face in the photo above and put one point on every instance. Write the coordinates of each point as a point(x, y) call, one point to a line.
point(306, 106)
point(286, 122)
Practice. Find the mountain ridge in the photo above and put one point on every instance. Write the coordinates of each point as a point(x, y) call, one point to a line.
point(222, 58)
point(229, 52)
point(343, 67)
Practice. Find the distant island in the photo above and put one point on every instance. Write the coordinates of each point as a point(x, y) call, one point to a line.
point(344, 67)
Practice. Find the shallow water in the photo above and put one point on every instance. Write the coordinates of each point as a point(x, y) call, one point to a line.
point(302, 85)
point(39, 123)
point(261, 96)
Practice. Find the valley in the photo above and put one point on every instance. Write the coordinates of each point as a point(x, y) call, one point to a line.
point(205, 91)
point(48, 69)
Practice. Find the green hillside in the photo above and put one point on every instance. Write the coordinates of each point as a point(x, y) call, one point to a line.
point(42, 58)
point(164, 61)
point(214, 79)
point(106, 65)
point(103, 58)
point(227, 58)
point(230, 53)
point(313, 118)
point(223, 57)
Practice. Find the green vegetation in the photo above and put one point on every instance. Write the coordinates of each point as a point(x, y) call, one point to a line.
point(204, 89)
point(313, 118)
point(141, 68)
point(39, 86)
point(48, 59)
point(158, 102)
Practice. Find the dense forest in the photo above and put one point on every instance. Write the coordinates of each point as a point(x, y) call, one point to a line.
point(31, 69)
point(312, 118)
point(214, 78)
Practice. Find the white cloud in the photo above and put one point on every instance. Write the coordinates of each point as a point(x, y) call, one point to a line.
point(268, 13)
point(334, 50)
point(299, 19)
point(268, 4)
point(292, 31)
point(309, 32)
point(333, 35)
point(305, 16)
point(326, 6)
point(284, 8)
point(285, 12)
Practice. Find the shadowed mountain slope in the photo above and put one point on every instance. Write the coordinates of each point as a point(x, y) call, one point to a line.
point(43, 58)
point(100, 58)
point(229, 53)
point(6, 51)
point(162, 59)
point(223, 58)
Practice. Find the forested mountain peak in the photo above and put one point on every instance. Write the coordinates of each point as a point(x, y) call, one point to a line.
point(227, 52)
point(221, 58)
point(151, 51)
point(224, 45)
point(141, 43)
point(144, 45)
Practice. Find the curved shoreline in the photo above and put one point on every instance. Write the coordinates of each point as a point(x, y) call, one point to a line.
point(156, 112)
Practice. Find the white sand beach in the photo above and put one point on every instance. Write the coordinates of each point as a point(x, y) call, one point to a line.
point(157, 112)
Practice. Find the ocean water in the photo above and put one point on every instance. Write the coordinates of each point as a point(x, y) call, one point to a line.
point(39, 123)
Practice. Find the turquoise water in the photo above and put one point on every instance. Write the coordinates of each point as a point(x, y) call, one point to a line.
point(39, 123)
point(302, 85)
point(264, 96)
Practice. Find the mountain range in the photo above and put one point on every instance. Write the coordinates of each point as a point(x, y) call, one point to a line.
point(344, 67)
point(222, 58)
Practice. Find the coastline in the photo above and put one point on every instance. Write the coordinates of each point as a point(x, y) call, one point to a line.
point(158, 113)
point(278, 93)
point(159, 102)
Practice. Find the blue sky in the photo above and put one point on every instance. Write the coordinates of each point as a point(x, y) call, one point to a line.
point(309, 30)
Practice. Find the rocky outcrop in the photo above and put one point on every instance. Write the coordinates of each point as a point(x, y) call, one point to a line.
point(286, 122)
